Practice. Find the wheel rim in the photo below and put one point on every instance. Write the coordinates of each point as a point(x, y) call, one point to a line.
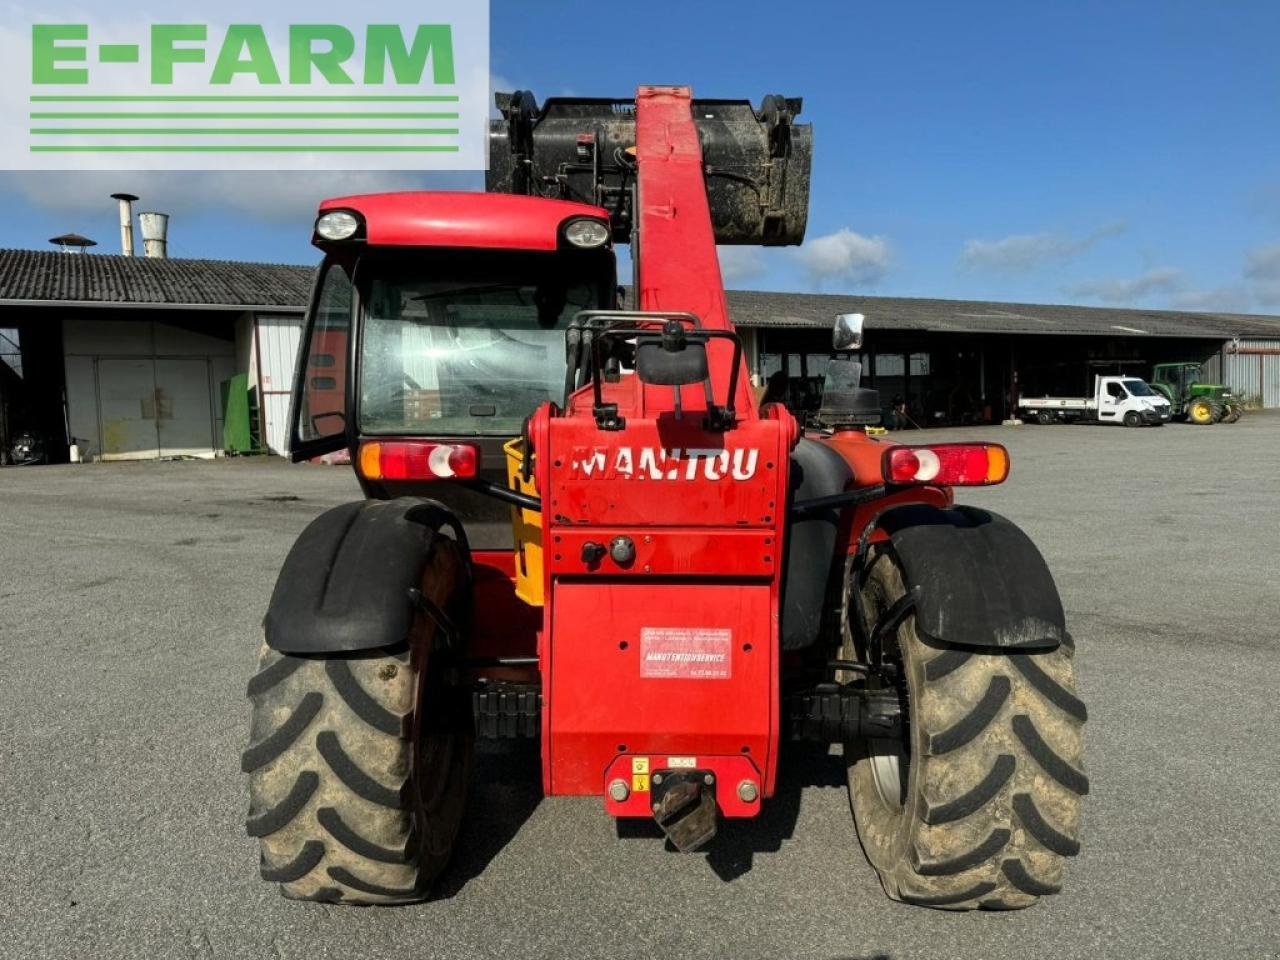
point(888, 760)
point(436, 745)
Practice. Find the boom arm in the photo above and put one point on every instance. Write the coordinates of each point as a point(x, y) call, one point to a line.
point(678, 176)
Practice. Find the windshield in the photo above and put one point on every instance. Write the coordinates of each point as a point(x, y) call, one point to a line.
point(468, 343)
point(1139, 389)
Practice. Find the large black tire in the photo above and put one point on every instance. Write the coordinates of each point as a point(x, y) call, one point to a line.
point(358, 766)
point(980, 803)
point(1133, 419)
point(1230, 413)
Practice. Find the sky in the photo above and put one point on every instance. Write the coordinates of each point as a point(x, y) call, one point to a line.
point(1114, 152)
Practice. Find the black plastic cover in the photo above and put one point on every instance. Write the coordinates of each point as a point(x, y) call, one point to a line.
point(816, 471)
point(666, 368)
point(982, 582)
point(345, 584)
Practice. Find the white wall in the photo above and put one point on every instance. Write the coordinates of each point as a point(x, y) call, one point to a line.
point(278, 338)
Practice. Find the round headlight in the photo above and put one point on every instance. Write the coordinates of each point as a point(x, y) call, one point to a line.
point(338, 225)
point(586, 234)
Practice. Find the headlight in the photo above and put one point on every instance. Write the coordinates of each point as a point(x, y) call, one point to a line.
point(586, 234)
point(337, 225)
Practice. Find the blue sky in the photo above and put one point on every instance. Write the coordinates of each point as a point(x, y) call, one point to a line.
point(1085, 152)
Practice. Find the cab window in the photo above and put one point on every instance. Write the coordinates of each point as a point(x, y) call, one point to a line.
point(322, 397)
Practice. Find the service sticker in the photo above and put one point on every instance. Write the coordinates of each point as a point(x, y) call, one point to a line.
point(686, 653)
point(639, 764)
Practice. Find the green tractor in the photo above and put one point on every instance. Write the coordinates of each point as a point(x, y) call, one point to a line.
point(1196, 402)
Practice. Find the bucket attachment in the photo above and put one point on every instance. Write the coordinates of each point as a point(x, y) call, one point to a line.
point(756, 162)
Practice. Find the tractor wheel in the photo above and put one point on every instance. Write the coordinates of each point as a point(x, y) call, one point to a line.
point(358, 766)
point(979, 804)
point(1201, 411)
point(1133, 419)
point(1230, 413)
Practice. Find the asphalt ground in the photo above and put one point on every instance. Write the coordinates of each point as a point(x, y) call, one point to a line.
point(130, 599)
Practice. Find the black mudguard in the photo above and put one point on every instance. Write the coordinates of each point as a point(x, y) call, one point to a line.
point(816, 471)
point(980, 582)
point(346, 583)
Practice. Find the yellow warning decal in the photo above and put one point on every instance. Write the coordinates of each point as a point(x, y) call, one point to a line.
point(639, 783)
point(639, 764)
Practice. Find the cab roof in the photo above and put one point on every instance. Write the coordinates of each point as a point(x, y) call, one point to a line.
point(456, 219)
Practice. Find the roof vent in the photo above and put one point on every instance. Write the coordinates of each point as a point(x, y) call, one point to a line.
point(126, 221)
point(155, 234)
point(73, 243)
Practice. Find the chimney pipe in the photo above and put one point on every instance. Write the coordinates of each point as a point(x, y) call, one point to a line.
point(126, 221)
point(155, 234)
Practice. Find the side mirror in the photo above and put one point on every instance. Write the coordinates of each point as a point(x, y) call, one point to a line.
point(847, 333)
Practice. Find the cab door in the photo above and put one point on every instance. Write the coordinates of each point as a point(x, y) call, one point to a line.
point(321, 402)
point(1111, 403)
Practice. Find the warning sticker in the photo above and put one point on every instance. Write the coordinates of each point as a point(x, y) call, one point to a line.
point(639, 783)
point(639, 764)
point(687, 653)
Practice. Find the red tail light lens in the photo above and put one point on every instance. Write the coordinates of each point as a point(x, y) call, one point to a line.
point(947, 464)
point(418, 460)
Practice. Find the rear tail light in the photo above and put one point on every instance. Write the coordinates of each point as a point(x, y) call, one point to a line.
point(418, 460)
point(947, 464)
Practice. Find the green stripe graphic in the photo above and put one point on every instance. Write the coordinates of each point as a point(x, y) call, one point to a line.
point(228, 98)
point(238, 131)
point(118, 53)
point(229, 148)
point(206, 115)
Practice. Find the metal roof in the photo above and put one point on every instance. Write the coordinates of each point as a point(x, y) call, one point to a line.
point(47, 277)
point(38, 277)
point(751, 308)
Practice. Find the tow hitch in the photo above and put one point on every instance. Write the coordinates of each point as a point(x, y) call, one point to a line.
point(684, 805)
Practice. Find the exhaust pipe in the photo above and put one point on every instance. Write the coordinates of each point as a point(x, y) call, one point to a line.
point(126, 221)
point(155, 234)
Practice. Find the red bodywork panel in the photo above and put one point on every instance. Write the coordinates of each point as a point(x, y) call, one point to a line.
point(441, 219)
point(673, 652)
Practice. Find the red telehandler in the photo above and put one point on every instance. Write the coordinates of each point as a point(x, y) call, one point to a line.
point(580, 528)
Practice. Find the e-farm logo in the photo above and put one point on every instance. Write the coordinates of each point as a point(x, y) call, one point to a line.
point(288, 92)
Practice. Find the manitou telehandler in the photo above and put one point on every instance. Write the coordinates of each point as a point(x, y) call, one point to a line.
point(579, 528)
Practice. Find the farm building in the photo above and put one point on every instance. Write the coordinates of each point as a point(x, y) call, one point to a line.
point(135, 358)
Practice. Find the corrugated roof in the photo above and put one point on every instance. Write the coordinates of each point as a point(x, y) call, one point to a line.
point(751, 308)
point(40, 275)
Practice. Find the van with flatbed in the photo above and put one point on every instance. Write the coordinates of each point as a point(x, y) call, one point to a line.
point(1125, 400)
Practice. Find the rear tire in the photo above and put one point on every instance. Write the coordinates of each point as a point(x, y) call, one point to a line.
point(358, 766)
point(980, 804)
point(1045, 418)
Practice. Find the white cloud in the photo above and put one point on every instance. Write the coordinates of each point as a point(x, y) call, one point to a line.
point(1262, 270)
point(845, 256)
point(1127, 290)
point(1263, 263)
point(271, 196)
point(1027, 251)
point(1232, 298)
point(741, 264)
